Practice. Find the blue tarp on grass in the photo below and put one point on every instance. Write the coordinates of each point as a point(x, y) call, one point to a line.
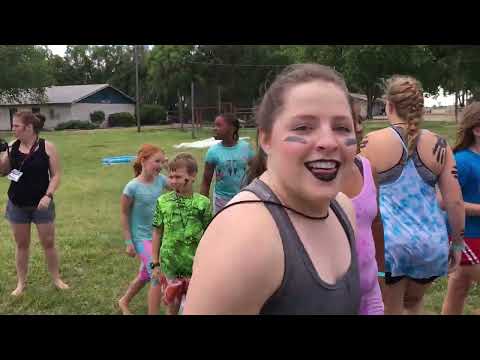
point(125, 159)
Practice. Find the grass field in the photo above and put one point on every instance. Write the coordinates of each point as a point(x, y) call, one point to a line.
point(88, 227)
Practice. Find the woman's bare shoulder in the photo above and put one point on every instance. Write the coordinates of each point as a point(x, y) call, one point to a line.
point(433, 149)
point(380, 133)
point(49, 145)
point(243, 215)
point(241, 247)
point(375, 139)
point(430, 137)
point(246, 226)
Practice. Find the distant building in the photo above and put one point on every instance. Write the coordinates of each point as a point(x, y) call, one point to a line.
point(378, 105)
point(75, 102)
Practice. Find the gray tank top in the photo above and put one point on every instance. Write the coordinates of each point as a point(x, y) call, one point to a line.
point(302, 291)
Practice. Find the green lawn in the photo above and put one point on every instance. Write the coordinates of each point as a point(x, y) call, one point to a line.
point(88, 227)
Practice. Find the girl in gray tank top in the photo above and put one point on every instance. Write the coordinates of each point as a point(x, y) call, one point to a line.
point(302, 291)
point(293, 252)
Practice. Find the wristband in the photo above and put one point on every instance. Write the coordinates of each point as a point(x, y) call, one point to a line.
point(128, 242)
point(50, 195)
point(154, 265)
point(381, 274)
point(458, 247)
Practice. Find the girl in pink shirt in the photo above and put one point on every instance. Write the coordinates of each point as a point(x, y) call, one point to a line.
point(360, 187)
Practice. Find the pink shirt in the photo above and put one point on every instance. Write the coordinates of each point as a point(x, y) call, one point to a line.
point(366, 210)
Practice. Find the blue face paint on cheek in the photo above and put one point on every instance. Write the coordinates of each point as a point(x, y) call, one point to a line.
point(351, 142)
point(295, 139)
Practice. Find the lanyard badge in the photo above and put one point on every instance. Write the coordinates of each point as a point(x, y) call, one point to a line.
point(15, 175)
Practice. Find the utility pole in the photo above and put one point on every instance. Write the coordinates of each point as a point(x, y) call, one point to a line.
point(193, 110)
point(137, 88)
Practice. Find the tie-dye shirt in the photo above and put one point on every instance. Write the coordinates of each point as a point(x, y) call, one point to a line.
point(415, 232)
point(184, 220)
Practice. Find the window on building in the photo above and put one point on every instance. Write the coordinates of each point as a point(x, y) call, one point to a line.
point(12, 114)
point(52, 113)
point(35, 110)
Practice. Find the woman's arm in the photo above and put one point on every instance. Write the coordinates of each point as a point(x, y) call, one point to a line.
point(54, 161)
point(156, 244)
point(452, 198)
point(126, 203)
point(5, 166)
point(54, 170)
point(471, 209)
point(377, 230)
point(207, 179)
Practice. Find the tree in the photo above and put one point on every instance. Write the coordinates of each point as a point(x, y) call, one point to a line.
point(169, 70)
point(169, 74)
point(100, 64)
point(457, 67)
point(24, 72)
point(243, 71)
point(366, 67)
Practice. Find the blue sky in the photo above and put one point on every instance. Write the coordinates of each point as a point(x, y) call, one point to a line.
point(440, 100)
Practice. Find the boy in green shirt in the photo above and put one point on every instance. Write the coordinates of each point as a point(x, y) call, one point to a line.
point(180, 218)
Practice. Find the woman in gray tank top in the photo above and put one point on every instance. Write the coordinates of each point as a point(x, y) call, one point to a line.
point(285, 244)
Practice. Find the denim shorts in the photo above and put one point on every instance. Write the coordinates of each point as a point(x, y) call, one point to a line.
point(26, 215)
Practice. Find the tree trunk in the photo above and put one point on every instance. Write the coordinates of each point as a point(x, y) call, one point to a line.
point(457, 86)
point(370, 100)
point(456, 106)
point(180, 109)
point(475, 94)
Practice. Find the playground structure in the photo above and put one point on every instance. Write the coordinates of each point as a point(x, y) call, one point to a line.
point(203, 114)
point(201, 110)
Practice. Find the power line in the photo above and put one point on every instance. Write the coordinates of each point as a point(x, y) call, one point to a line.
point(232, 65)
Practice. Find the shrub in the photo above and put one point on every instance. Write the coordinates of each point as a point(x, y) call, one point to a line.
point(152, 114)
point(97, 117)
point(76, 124)
point(123, 119)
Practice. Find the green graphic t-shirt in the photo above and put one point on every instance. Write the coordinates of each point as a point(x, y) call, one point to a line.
point(183, 219)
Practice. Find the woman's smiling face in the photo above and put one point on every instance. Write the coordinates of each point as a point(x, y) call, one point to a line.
point(312, 140)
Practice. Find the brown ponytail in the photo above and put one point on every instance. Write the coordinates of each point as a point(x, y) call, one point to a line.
point(258, 164)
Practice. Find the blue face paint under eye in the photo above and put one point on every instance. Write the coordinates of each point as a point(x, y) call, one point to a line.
point(295, 139)
point(351, 142)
